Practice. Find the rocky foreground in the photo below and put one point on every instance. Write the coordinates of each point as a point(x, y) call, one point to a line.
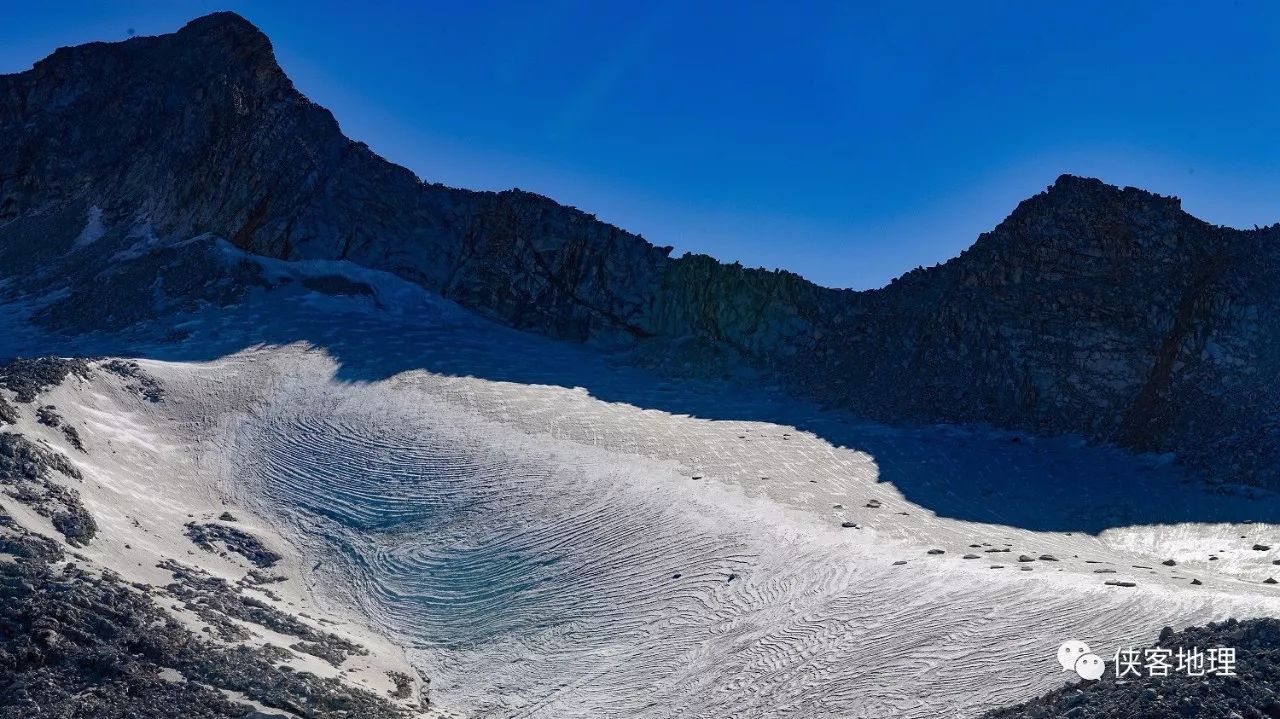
point(82, 640)
point(81, 643)
point(1253, 694)
point(79, 640)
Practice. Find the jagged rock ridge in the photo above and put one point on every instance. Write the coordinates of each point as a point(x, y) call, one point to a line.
point(1091, 309)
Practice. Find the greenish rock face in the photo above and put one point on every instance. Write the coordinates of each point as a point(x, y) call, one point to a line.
point(1091, 310)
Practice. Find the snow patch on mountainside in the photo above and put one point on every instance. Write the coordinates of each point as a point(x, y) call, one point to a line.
point(93, 229)
point(548, 531)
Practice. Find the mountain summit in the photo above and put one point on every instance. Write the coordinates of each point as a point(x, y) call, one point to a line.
point(1094, 310)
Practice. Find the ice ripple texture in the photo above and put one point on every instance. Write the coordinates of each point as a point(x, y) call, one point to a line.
point(534, 576)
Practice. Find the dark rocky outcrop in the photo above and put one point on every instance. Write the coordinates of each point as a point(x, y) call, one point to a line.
point(194, 130)
point(28, 377)
point(48, 416)
point(25, 475)
point(73, 437)
point(207, 535)
point(1094, 310)
point(218, 603)
point(78, 644)
point(144, 384)
point(1252, 694)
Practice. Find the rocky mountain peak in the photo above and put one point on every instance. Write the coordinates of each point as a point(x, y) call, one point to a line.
point(1074, 207)
point(228, 28)
point(1092, 309)
point(1082, 227)
point(227, 38)
point(221, 44)
point(1083, 192)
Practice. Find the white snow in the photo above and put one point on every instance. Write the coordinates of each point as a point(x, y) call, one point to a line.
point(145, 477)
point(513, 511)
point(93, 229)
point(144, 240)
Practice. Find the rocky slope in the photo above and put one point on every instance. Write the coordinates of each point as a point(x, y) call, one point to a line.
point(1249, 694)
point(79, 642)
point(1091, 309)
point(165, 638)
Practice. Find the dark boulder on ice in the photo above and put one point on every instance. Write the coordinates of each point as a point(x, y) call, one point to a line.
point(209, 536)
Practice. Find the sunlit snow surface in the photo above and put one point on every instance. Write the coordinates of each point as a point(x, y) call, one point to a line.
point(524, 516)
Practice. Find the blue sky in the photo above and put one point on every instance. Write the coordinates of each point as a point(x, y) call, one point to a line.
point(848, 142)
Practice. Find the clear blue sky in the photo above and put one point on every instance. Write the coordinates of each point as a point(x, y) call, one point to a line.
point(848, 142)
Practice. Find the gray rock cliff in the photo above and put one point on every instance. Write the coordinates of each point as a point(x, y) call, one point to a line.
point(1094, 310)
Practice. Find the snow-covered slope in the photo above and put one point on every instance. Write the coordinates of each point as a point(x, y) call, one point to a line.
point(644, 525)
point(549, 531)
point(1092, 309)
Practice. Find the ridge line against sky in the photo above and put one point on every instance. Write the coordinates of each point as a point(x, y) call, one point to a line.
point(846, 143)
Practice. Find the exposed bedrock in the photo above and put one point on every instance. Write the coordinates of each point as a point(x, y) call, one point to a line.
point(1091, 309)
point(26, 475)
point(77, 643)
point(27, 377)
point(1249, 692)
